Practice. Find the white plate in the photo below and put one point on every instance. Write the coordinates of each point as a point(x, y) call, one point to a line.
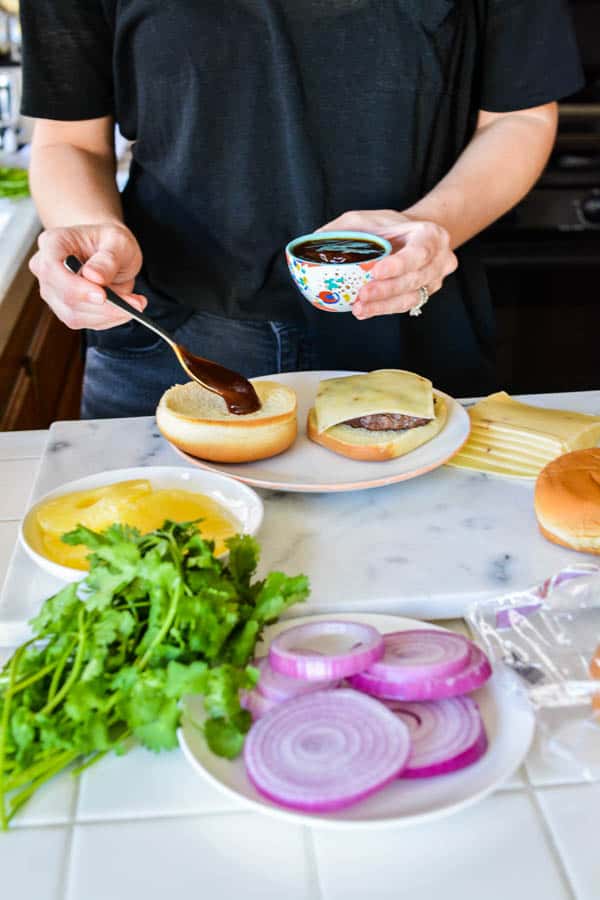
point(240, 501)
point(307, 466)
point(509, 724)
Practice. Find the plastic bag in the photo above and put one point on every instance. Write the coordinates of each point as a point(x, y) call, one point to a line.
point(548, 636)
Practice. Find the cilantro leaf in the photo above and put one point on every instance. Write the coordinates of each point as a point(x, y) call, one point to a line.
point(223, 738)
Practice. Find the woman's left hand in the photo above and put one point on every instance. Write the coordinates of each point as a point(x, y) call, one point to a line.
point(421, 257)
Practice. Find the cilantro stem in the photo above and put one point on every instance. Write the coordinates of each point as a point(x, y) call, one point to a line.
point(4, 732)
point(74, 673)
point(141, 663)
point(89, 763)
point(33, 772)
point(21, 685)
point(60, 665)
point(21, 798)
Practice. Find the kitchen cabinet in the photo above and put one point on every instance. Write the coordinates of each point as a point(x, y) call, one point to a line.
point(41, 369)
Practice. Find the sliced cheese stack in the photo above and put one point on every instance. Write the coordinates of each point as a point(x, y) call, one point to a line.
point(512, 438)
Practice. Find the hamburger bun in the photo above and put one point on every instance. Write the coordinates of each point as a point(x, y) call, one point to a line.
point(196, 420)
point(567, 500)
point(374, 446)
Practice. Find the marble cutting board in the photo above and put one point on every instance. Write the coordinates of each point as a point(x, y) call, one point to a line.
point(427, 548)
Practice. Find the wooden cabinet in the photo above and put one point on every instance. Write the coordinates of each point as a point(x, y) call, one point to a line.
point(41, 370)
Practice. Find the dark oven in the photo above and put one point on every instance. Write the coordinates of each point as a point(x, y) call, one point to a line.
point(543, 258)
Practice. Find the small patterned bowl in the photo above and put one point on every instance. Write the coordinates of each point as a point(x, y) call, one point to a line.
point(332, 287)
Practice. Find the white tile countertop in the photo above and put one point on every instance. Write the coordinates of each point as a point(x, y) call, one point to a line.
point(142, 826)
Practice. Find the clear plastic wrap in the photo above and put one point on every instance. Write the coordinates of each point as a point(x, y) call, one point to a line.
point(549, 636)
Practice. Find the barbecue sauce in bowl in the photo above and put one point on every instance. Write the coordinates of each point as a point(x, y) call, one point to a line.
point(338, 251)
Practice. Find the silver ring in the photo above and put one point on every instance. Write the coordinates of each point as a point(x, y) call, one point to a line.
point(423, 298)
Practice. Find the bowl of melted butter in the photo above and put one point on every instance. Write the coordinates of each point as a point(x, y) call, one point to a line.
point(142, 498)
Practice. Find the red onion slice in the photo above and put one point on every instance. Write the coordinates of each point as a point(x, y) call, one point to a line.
point(476, 673)
point(281, 687)
point(289, 653)
point(325, 751)
point(411, 655)
point(446, 735)
point(256, 704)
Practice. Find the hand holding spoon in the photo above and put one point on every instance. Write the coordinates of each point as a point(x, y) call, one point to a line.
point(237, 392)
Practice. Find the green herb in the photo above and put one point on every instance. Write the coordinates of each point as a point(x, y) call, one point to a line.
point(14, 183)
point(158, 616)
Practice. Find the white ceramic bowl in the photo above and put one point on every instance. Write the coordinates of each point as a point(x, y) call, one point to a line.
point(239, 500)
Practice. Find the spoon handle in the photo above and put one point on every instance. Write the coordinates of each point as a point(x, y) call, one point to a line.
point(74, 265)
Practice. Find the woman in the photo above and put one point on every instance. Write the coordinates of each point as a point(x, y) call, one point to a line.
point(255, 121)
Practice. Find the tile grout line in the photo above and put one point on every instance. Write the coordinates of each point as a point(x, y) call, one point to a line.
point(312, 865)
point(133, 820)
point(166, 817)
point(66, 867)
point(550, 839)
point(559, 786)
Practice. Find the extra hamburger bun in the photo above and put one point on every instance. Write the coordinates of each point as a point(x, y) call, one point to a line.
point(567, 500)
point(374, 446)
point(198, 421)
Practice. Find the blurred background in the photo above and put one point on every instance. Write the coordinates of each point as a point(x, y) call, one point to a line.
point(543, 259)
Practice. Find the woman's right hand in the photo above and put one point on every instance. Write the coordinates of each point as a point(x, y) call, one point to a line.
point(112, 257)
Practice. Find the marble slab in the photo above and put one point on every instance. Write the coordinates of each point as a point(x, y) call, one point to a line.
point(427, 548)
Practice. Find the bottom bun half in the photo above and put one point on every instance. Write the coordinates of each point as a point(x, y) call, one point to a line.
point(376, 446)
point(196, 421)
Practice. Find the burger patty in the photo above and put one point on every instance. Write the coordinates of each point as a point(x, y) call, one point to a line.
point(387, 422)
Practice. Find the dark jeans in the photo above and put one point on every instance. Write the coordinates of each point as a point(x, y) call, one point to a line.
point(130, 381)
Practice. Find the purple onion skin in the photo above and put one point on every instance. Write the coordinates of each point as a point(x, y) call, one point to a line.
point(464, 759)
point(473, 677)
point(405, 671)
point(269, 683)
point(324, 667)
point(316, 805)
point(333, 806)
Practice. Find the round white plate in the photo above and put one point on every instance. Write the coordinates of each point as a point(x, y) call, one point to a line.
point(307, 466)
point(509, 723)
point(239, 500)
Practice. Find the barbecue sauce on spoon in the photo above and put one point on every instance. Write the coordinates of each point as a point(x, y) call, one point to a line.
point(238, 393)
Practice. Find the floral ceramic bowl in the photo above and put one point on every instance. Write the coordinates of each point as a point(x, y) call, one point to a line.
point(332, 287)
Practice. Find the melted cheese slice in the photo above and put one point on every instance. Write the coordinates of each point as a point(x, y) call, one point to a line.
point(383, 391)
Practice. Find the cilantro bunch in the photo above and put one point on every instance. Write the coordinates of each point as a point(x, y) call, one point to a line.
point(158, 616)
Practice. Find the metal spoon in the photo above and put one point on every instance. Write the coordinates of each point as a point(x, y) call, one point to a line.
point(237, 392)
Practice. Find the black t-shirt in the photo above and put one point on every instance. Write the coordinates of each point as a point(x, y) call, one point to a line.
point(258, 120)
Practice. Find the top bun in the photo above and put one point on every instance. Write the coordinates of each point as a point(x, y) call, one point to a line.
point(197, 420)
point(567, 500)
